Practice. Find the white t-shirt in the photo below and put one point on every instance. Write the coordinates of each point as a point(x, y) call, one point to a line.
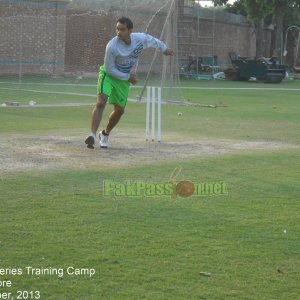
point(120, 57)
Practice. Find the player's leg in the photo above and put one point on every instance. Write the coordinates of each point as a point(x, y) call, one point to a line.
point(104, 89)
point(118, 98)
point(98, 112)
point(96, 119)
point(114, 118)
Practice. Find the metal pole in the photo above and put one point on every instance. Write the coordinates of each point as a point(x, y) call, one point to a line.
point(21, 49)
point(155, 53)
point(285, 42)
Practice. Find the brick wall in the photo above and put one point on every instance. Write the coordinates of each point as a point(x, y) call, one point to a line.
point(32, 35)
point(205, 32)
point(48, 38)
point(88, 34)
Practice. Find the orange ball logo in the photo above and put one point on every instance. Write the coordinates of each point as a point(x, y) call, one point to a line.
point(185, 188)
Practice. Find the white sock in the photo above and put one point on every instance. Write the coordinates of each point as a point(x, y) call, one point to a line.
point(94, 135)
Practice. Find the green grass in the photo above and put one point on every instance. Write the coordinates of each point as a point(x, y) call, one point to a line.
point(155, 247)
point(244, 117)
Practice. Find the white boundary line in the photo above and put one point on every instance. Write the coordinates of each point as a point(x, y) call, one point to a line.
point(49, 92)
point(139, 86)
point(129, 99)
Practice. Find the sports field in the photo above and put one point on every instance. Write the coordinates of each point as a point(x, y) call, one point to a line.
point(105, 224)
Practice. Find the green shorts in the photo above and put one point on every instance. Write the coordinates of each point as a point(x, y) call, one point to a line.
point(116, 89)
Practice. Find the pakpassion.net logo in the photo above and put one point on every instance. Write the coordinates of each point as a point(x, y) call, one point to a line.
point(182, 188)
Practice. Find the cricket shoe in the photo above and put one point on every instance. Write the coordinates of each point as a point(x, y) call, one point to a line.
point(103, 139)
point(90, 141)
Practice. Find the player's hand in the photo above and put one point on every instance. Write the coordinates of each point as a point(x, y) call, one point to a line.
point(168, 52)
point(133, 79)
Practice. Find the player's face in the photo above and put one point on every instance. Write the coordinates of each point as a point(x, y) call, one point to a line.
point(123, 32)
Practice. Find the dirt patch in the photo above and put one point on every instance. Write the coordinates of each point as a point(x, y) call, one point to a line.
point(127, 148)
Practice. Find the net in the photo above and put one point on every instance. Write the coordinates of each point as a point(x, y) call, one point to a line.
point(63, 42)
point(51, 41)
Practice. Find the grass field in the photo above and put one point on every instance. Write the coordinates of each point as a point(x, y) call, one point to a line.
point(243, 244)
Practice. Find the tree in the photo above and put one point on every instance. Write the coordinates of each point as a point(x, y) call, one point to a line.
point(290, 24)
point(259, 10)
point(256, 11)
point(220, 2)
point(238, 8)
point(216, 2)
point(281, 8)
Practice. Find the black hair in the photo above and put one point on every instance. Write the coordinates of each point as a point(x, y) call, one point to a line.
point(127, 21)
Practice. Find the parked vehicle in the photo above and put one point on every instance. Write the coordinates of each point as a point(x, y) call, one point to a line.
point(266, 70)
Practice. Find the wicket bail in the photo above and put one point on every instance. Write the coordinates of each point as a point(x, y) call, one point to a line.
point(152, 100)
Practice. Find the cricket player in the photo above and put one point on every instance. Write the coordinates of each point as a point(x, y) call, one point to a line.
point(115, 76)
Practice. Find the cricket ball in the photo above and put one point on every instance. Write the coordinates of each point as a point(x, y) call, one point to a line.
point(185, 188)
